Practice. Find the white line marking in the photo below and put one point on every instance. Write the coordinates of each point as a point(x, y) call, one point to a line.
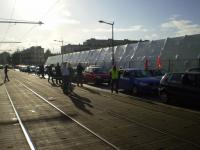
point(26, 134)
point(86, 128)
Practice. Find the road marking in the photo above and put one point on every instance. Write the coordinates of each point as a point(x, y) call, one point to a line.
point(81, 125)
point(25, 131)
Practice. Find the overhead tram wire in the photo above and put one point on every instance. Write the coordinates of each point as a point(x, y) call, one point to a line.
point(48, 10)
point(8, 27)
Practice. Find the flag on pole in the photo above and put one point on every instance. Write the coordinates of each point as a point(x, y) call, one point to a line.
point(158, 63)
point(146, 64)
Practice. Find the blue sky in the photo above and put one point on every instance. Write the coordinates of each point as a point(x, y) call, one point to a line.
point(75, 21)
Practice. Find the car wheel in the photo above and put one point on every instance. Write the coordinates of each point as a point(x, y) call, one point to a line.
point(135, 91)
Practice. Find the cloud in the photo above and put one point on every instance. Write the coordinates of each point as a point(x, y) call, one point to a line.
point(181, 27)
point(151, 37)
point(175, 16)
point(128, 29)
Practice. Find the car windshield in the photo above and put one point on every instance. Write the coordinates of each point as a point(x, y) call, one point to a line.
point(157, 72)
point(140, 73)
point(99, 70)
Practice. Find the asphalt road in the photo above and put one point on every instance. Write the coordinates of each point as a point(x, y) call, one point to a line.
point(124, 121)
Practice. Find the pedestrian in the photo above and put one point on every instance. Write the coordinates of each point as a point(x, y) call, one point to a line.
point(114, 75)
point(71, 72)
point(80, 70)
point(42, 71)
point(50, 73)
point(65, 74)
point(58, 73)
point(6, 73)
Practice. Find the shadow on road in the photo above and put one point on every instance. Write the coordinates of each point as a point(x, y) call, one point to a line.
point(81, 102)
point(1, 84)
point(91, 90)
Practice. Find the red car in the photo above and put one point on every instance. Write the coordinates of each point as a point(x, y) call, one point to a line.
point(96, 74)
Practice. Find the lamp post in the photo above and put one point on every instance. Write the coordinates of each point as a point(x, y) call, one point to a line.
point(112, 24)
point(60, 48)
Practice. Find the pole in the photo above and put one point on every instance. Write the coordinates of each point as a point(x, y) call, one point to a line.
point(113, 60)
point(61, 51)
point(112, 24)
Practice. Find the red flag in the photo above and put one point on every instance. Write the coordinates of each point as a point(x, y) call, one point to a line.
point(158, 63)
point(146, 64)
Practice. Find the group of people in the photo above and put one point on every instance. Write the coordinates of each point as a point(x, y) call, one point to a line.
point(65, 73)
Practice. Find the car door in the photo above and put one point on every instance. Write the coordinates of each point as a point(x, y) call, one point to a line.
point(87, 74)
point(90, 75)
point(174, 85)
point(191, 87)
point(124, 82)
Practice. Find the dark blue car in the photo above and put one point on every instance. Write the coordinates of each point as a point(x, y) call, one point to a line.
point(138, 81)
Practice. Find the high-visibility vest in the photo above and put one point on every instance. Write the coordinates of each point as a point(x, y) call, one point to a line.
point(115, 74)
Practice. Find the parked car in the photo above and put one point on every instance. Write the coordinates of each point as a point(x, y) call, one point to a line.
point(31, 69)
point(158, 73)
point(194, 69)
point(1, 66)
point(23, 68)
point(180, 86)
point(96, 74)
point(138, 81)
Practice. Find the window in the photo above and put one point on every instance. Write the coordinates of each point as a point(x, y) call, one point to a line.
point(176, 78)
point(126, 74)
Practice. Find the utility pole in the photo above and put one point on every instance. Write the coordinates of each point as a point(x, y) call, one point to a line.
point(112, 24)
point(60, 48)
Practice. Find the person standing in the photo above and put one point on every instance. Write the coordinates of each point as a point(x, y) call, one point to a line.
point(65, 74)
point(71, 72)
point(6, 73)
point(114, 79)
point(50, 73)
point(42, 71)
point(80, 70)
point(58, 73)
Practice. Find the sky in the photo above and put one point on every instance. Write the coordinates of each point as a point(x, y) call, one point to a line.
point(75, 21)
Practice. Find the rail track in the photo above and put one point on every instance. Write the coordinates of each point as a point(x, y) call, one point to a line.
point(26, 83)
point(28, 135)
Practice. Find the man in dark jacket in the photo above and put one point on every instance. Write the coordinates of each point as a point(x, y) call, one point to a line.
point(58, 73)
point(80, 70)
point(6, 73)
point(50, 73)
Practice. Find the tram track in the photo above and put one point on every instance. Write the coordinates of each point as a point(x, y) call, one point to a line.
point(71, 118)
point(147, 126)
point(24, 129)
point(28, 135)
point(156, 109)
point(125, 118)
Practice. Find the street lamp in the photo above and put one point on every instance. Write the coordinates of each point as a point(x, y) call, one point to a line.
point(112, 24)
point(60, 48)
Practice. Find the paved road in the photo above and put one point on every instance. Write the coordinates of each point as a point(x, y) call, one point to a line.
point(126, 122)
